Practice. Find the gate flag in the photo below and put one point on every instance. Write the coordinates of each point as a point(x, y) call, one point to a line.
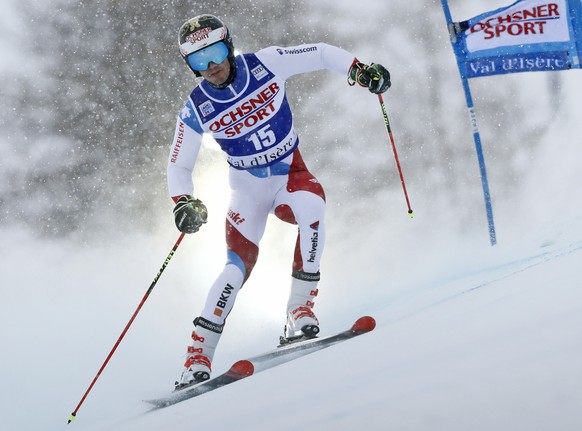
point(527, 36)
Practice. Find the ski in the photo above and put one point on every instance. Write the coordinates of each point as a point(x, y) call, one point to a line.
point(238, 371)
point(284, 353)
point(303, 347)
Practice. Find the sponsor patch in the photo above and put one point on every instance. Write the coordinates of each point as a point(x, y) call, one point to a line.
point(259, 72)
point(185, 112)
point(223, 300)
point(235, 217)
point(206, 108)
point(297, 50)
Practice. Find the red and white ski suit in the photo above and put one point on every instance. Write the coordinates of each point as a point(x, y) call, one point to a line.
point(252, 122)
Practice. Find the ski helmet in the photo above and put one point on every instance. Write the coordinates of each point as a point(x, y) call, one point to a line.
point(201, 32)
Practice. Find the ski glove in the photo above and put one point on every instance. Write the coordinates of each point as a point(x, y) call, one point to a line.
point(189, 214)
point(375, 77)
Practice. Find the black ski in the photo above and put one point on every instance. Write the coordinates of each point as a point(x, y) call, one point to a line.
point(245, 368)
point(238, 371)
point(303, 347)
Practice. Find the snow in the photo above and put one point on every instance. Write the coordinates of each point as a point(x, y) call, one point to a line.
point(468, 337)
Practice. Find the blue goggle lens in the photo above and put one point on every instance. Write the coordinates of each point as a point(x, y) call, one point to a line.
point(215, 53)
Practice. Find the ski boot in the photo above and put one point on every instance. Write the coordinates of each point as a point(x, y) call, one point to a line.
point(198, 365)
point(302, 324)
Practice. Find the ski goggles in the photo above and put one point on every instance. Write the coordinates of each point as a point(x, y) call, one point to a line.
point(215, 53)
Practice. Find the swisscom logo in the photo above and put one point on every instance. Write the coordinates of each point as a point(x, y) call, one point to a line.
point(296, 50)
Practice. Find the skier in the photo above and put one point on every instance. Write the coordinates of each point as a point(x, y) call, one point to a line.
point(241, 103)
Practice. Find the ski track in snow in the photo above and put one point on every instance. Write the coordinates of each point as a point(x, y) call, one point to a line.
point(496, 347)
point(504, 271)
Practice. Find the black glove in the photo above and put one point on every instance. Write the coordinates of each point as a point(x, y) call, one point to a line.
point(189, 214)
point(375, 77)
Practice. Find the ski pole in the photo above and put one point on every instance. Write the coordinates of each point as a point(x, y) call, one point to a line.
point(385, 113)
point(145, 297)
